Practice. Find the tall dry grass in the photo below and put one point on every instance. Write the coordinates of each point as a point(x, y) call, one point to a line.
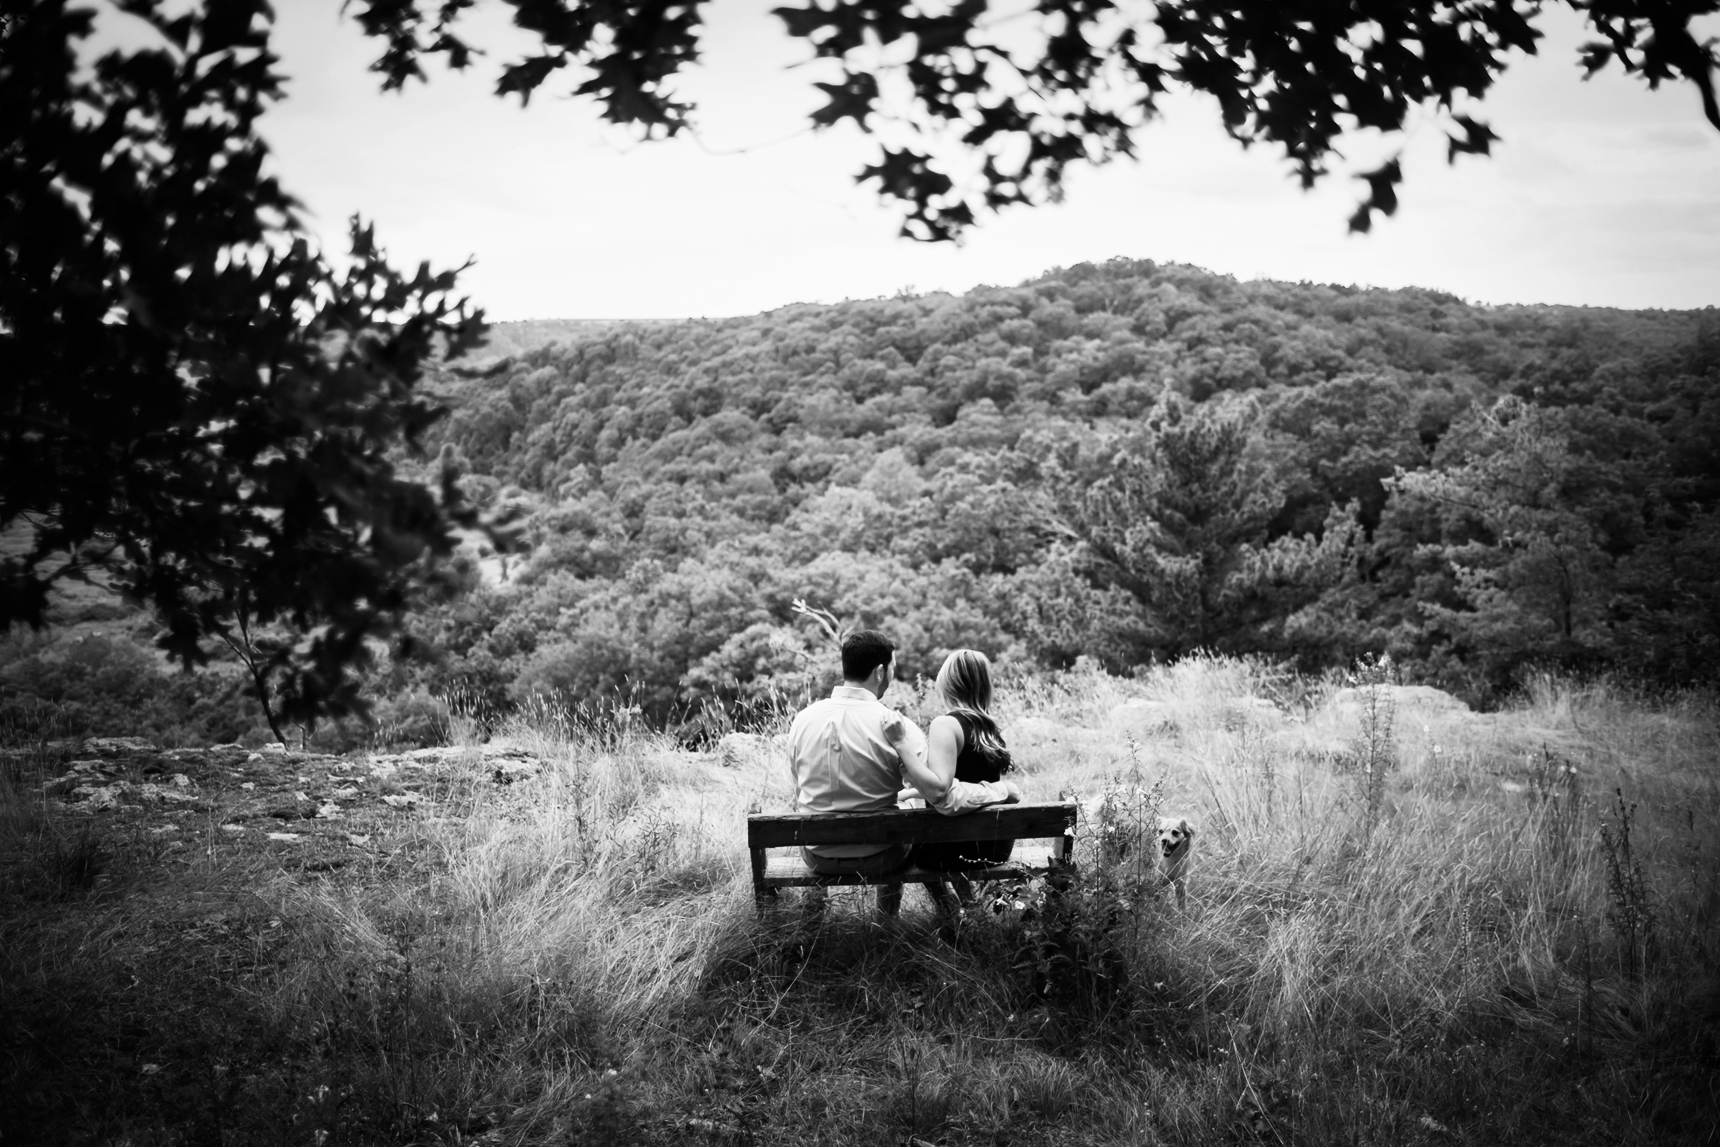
point(1420, 945)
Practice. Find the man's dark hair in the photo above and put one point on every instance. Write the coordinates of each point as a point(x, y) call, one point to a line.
point(863, 651)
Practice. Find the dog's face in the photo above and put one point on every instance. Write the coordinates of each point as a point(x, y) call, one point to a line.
point(1174, 836)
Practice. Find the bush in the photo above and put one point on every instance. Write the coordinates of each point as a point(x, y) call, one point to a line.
point(102, 686)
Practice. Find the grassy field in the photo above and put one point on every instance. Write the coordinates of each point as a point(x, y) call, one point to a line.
point(1407, 923)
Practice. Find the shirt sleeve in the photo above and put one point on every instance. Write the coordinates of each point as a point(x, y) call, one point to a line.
point(965, 796)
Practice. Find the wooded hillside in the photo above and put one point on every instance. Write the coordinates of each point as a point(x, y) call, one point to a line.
point(1128, 461)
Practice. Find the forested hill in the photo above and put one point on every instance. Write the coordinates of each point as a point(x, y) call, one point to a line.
point(1127, 461)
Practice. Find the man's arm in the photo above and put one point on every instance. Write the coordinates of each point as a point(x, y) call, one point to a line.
point(950, 797)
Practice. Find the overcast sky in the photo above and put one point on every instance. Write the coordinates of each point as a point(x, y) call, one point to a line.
point(1601, 193)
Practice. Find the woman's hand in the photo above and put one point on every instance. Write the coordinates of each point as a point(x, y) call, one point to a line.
point(895, 728)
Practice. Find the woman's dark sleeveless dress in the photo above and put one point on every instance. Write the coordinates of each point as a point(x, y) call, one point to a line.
point(972, 765)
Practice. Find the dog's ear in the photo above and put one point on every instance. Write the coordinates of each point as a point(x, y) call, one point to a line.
point(1187, 826)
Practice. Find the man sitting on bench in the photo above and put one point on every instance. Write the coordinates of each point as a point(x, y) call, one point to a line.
point(843, 761)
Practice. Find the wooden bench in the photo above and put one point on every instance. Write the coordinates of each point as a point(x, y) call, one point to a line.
point(1044, 836)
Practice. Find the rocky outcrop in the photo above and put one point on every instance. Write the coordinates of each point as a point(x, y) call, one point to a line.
point(266, 791)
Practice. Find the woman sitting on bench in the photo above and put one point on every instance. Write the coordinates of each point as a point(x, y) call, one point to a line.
point(965, 745)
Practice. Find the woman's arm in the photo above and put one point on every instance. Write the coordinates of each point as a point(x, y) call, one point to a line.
point(942, 792)
point(945, 745)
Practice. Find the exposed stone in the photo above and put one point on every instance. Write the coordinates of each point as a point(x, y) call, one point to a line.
point(1420, 697)
point(99, 798)
point(509, 771)
point(1241, 711)
point(152, 793)
point(736, 748)
point(1033, 732)
point(115, 746)
point(1141, 715)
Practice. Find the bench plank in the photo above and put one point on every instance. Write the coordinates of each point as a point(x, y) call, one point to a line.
point(920, 826)
point(792, 872)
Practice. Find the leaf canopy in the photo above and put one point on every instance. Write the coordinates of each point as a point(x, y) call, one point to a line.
point(1298, 76)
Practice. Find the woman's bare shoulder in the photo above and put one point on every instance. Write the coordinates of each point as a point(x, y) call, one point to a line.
point(947, 725)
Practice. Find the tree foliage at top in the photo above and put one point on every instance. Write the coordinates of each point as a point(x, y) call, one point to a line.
point(1295, 75)
point(194, 400)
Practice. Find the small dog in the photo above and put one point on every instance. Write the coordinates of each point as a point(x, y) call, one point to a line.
point(1176, 848)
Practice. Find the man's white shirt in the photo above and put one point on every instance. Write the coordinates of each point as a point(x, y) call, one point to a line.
point(842, 761)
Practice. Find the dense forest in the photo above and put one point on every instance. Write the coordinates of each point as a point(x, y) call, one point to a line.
point(1126, 462)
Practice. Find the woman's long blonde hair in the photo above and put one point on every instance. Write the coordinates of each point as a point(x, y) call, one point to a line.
point(964, 683)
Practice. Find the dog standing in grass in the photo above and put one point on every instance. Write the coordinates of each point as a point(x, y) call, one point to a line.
point(1176, 849)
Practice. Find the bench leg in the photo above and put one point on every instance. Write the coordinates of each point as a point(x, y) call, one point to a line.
point(890, 899)
point(763, 897)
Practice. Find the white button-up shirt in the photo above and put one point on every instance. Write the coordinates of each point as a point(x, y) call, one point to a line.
point(842, 761)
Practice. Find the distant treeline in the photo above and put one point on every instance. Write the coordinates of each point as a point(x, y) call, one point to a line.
point(1128, 461)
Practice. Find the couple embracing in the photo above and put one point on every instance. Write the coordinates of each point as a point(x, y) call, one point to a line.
point(851, 753)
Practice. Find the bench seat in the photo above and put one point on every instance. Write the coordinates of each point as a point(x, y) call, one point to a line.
point(1044, 836)
point(788, 870)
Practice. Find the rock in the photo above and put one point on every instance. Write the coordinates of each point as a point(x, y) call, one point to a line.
point(345, 794)
point(158, 793)
point(59, 786)
point(507, 772)
point(735, 748)
point(1424, 698)
point(286, 836)
point(99, 798)
point(1141, 715)
point(114, 746)
point(248, 785)
point(402, 800)
point(180, 780)
point(328, 811)
point(1240, 711)
point(1032, 732)
point(233, 828)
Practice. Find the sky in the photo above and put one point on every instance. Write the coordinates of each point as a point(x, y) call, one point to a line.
point(1601, 193)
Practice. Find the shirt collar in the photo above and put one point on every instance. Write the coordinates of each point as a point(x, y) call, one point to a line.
point(852, 693)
